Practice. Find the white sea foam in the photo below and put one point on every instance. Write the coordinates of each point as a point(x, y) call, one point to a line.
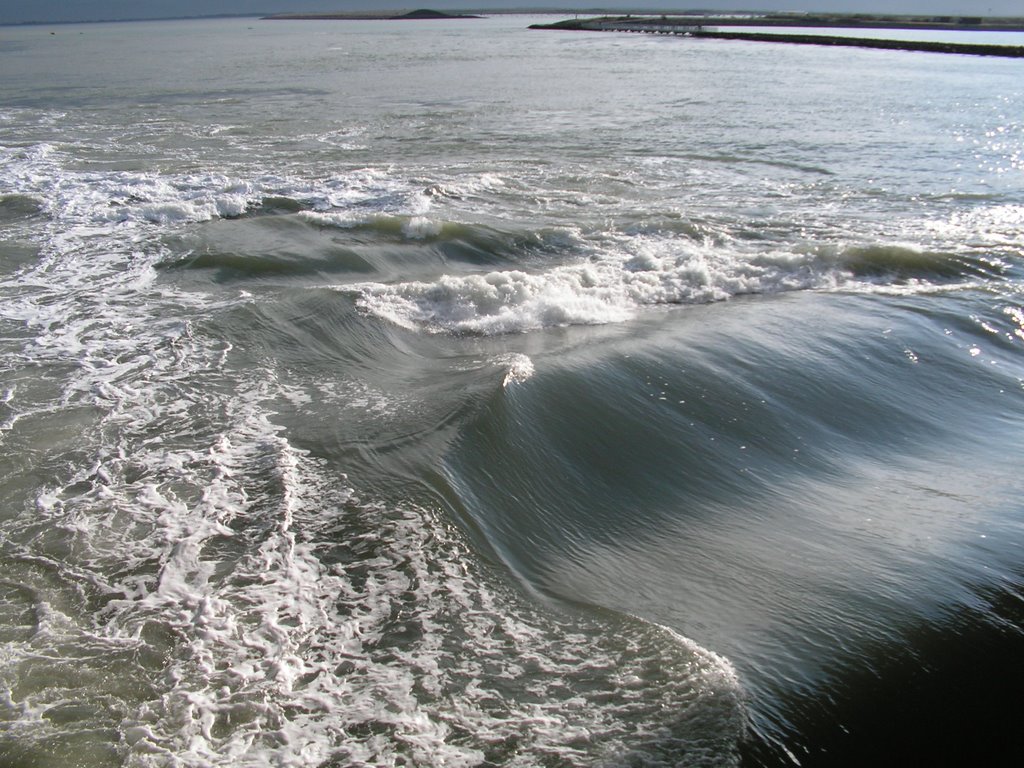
point(420, 227)
point(611, 286)
point(520, 369)
point(312, 627)
point(410, 227)
point(340, 219)
point(466, 186)
point(94, 201)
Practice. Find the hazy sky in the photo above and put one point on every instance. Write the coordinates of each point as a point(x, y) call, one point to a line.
point(15, 11)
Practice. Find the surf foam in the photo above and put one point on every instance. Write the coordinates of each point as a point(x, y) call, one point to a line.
point(611, 286)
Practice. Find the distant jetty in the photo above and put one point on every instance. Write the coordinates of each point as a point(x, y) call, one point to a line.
point(705, 26)
point(418, 15)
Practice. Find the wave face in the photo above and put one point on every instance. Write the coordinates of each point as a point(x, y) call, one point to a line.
point(668, 419)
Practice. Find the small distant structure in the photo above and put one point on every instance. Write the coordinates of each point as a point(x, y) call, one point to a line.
point(648, 25)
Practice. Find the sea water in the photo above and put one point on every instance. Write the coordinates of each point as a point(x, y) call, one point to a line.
point(449, 393)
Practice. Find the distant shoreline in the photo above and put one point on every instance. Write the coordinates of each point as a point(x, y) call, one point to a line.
point(420, 15)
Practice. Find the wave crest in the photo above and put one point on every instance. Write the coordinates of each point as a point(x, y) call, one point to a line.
point(600, 290)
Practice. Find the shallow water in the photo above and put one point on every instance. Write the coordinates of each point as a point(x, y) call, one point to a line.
point(450, 393)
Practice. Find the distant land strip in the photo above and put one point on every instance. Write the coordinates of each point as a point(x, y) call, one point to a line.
point(422, 14)
point(697, 26)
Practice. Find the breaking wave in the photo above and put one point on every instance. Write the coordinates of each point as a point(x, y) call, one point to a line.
point(189, 588)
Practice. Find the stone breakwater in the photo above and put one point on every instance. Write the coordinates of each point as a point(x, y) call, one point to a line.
point(1010, 51)
point(699, 27)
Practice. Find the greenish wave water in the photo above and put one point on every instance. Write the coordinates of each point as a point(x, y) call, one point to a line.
point(448, 393)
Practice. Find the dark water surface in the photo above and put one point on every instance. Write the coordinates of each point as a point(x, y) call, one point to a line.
point(452, 394)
